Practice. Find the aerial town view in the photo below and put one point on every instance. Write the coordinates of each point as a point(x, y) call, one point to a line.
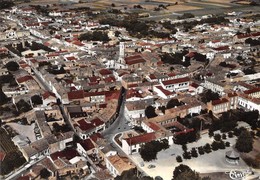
point(130, 89)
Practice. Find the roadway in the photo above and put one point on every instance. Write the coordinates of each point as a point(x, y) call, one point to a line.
point(20, 171)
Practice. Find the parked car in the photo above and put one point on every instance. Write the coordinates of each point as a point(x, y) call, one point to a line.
point(151, 166)
point(158, 178)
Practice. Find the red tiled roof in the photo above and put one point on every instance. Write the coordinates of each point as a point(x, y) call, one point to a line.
point(24, 79)
point(215, 41)
point(71, 58)
point(112, 95)
point(194, 85)
point(171, 74)
point(2, 155)
point(78, 43)
point(24, 65)
point(85, 126)
point(97, 122)
point(251, 91)
point(89, 94)
point(102, 105)
point(152, 76)
point(134, 59)
point(33, 60)
point(221, 48)
point(190, 54)
point(76, 94)
point(52, 55)
point(133, 93)
point(123, 73)
point(105, 72)
point(183, 132)
point(164, 91)
point(144, 138)
point(175, 81)
point(2, 50)
point(94, 79)
point(87, 144)
point(219, 101)
point(241, 36)
point(233, 94)
point(132, 85)
point(110, 79)
point(154, 126)
point(96, 136)
point(160, 63)
point(47, 94)
point(66, 153)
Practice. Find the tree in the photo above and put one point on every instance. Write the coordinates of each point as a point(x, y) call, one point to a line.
point(194, 152)
point(179, 159)
point(227, 144)
point(6, 4)
point(207, 148)
point(211, 133)
point(12, 66)
point(186, 155)
point(244, 142)
point(184, 172)
point(215, 145)
point(186, 138)
point(221, 145)
point(23, 106)
point(201, 150)
point(230, 134)
point(184, 147)
point(3, 97)
point(224, 136)
point(209, 96)
point(44, 173)
point(150, 112)
point(36, 100)
point(217, 137)
point(149, 151)
point(132, 175)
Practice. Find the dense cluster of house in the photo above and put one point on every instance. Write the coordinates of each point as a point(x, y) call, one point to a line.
point(85, 84)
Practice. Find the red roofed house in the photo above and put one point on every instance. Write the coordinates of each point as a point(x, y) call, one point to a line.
point(134, 62)
point(105, 72)
point(255, 93)
point(163, 93)
point(87, 128)
point(241, 37)
point(249, 103)
point(3, 51)
point(23, 79)
point(133, 144)
point(180, 84)
point(95, 97)
point(52, 56)
point(66, 153)
point(76, 95)
point(85, 147)
point(219, 106)
point(48, 97)
point(195, 88)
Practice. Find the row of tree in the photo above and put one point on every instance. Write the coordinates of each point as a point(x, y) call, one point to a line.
point(149, 151)
point(95, 36)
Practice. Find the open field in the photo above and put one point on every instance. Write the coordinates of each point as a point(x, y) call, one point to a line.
point(196, 7)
